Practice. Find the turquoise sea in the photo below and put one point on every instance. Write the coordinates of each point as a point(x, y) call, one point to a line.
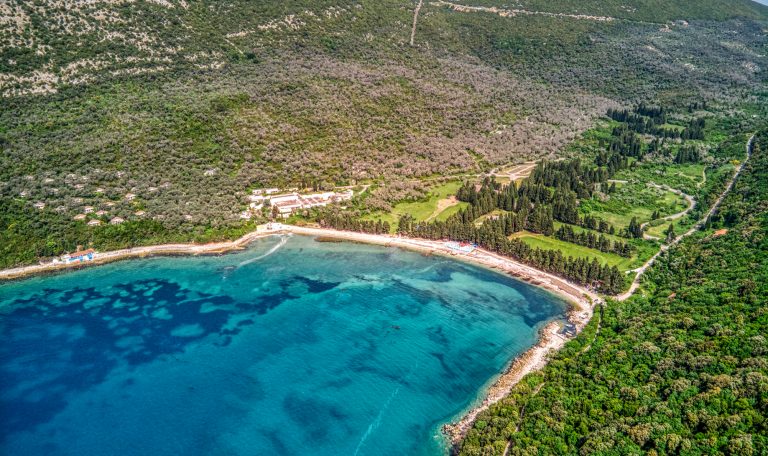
point(292, 347)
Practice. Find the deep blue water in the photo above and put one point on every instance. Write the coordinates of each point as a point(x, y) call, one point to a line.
point(291, 347)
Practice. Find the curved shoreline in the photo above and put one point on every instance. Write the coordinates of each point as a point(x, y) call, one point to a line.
point(135, 252)
point(572, 292)
point(533, 359)
point(580, 312)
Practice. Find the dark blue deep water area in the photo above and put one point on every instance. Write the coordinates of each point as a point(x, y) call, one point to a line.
point(290, 347)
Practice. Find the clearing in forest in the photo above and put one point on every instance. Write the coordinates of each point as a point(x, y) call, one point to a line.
point(442, 205)
point(576, 251)
point(424, 209)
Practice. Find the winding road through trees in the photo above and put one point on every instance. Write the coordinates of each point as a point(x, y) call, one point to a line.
point(641, 270)
point(691, 204)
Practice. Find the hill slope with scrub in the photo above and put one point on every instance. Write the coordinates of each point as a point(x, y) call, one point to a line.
point(166, 113)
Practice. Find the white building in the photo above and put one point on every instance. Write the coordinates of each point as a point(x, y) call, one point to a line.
point(265, 191)
point(288, 203)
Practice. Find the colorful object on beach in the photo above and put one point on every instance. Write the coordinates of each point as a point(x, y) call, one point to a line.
point(463, 247)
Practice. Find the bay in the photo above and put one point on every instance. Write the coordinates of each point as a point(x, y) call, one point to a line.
point(290, 347)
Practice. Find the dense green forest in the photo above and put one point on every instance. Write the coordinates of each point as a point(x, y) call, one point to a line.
point(679, 368)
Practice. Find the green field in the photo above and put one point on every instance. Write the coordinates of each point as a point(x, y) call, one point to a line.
point(422, 210)
point(443, 216)
point(644, 249)
point(634, 200)
point(573, 250)
point(681, 225)
point(579, 229)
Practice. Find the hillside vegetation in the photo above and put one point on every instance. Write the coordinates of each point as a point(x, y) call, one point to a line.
point(645, 10)
point(677, 369)
point(167, 113)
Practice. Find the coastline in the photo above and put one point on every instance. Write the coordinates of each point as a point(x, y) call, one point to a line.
point(582, 301)
point(136, 252)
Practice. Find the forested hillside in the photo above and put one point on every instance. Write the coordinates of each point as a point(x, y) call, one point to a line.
point(165, 114)
point(678, 369)
point(644, 10)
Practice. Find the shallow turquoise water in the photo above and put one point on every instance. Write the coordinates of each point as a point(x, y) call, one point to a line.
point(291, 347)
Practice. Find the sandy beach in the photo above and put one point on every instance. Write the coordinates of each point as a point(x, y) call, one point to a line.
point(137, 252)
point(582, 300)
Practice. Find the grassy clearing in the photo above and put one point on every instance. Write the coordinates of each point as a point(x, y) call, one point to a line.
point(669, 126)
point(682, 177)
point(633, 200)
point(643, 249)
point(496, 212)
point(693, 171)
point(657, 229)
point(573, 250)
point(443, 216)
point(579, 229)
point(421, 210)
point(622, 220)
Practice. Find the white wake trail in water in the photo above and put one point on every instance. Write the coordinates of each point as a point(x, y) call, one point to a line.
point(432, 266)
point(283, 240)
point(377, 422)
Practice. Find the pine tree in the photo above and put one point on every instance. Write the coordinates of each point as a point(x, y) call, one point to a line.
point(634, 230)
point(670, 232)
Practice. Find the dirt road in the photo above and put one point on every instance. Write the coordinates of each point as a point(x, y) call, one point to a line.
point(641, 270)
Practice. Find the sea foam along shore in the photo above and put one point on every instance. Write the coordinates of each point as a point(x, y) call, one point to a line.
point(582, 300)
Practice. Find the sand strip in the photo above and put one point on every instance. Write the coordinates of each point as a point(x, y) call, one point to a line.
point(137, 252)
point(580, 313)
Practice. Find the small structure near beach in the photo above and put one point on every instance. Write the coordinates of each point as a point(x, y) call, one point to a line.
point(461, 247)
point(569, 330)
point(79, 256)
